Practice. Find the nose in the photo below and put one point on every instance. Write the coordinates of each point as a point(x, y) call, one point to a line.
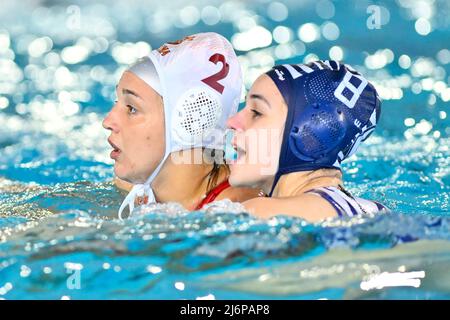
point(236, 122)
point(110, 121)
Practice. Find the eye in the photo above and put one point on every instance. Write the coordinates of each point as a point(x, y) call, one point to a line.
point(255, 113)
point(131, 109)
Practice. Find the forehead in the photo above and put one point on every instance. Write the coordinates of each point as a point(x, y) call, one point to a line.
point(263, 84)
point(130, 81)
point(265, 87)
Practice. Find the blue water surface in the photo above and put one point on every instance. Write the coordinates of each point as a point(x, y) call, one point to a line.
point(59, 64)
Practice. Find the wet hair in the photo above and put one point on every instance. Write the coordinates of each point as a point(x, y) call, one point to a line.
point(217, 158)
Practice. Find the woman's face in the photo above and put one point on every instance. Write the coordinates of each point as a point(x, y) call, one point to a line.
point(258, 132)
point(137, 129)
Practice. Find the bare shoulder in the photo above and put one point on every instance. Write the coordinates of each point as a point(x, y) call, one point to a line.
point(238, 194)
point(307, 206)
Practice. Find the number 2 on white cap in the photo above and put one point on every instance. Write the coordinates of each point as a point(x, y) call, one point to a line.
point(213, 81)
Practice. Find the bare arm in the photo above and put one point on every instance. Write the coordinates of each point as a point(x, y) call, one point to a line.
point(307, 206)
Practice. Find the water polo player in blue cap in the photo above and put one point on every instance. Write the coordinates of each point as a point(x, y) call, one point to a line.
point(299, 123)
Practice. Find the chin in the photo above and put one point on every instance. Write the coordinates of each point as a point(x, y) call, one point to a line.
point(121, 172)
point(233, 180)
point(238, 180)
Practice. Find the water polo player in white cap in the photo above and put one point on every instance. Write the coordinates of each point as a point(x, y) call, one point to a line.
point(305, 119)
point(170, 104)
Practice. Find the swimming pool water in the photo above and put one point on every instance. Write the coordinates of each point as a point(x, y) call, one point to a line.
point(58, 235)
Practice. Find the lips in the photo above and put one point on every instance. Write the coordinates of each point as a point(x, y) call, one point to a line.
point(239, 151)
point(116, 151)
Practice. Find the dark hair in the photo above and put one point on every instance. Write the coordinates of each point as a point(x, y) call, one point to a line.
point(217, 157)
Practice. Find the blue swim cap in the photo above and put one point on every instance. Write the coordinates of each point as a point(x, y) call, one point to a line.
point(331, 110)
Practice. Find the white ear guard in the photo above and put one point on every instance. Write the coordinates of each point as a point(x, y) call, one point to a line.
point(197, 113)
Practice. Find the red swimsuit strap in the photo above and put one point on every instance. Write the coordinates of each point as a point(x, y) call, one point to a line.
point(213, 194)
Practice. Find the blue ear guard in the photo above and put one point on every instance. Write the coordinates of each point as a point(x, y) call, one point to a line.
point(331, 110)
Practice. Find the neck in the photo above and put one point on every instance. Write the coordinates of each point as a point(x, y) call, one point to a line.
point(296, 183)
point(183, 183)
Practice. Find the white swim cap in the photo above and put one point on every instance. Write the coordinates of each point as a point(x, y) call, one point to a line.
point(200, 81)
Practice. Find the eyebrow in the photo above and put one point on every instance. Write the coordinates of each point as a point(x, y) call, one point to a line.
point(260, 97)
point(130, 92)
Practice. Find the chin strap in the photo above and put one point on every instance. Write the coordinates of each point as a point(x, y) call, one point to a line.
point(138, 190)
point(275, 181)
point(141, 190)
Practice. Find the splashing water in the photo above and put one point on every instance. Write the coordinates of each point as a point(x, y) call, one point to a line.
point(58, 234)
